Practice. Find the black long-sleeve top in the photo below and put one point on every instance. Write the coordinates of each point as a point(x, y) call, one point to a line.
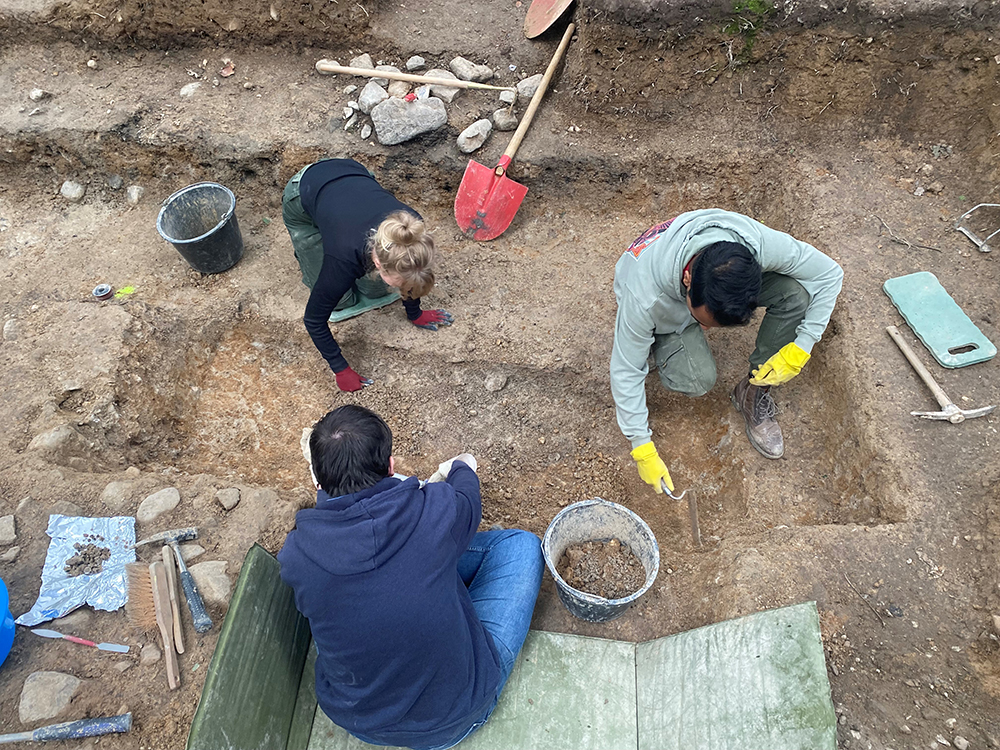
point(346, 203)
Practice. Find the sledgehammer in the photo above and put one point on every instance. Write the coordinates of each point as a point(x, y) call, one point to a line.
point(950, 413)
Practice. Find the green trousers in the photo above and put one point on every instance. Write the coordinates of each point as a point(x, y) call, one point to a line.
point(685, 362)
point(307, 242)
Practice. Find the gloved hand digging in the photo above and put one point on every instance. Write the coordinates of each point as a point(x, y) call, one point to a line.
point(348, 380)
point(782, 367)
point(431, 319)
point(651, 467)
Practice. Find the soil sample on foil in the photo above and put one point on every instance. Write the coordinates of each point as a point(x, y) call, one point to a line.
point(609, 569)
point(88, 560)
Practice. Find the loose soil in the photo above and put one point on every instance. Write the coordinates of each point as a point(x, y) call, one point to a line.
point(604, 568)
point(88, 560)
point(866, 133)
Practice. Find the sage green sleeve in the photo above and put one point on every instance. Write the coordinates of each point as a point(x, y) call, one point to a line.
point(629, 367)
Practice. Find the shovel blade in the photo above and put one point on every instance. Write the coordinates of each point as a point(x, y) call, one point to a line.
point(486, 202)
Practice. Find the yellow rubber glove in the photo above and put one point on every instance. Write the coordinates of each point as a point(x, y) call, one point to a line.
point(782, 367)
point(651, 467)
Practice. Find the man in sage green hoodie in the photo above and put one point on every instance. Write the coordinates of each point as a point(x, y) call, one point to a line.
point(700, 270)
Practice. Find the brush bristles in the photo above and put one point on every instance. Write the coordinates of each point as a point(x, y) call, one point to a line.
point(140, 608)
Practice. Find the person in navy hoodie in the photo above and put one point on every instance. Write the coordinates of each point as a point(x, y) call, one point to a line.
point(417, 618)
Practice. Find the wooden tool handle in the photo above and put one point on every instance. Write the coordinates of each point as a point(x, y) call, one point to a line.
point(175, 606)
point(536, 100)
point(922, 371)
point(161, 602)
point(325, 66)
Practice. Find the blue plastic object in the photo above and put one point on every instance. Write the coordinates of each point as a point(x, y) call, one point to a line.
point(6, 624)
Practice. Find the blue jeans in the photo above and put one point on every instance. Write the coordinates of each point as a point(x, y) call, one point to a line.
point(503, 571)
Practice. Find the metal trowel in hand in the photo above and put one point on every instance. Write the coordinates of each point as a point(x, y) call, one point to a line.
point(692, 510)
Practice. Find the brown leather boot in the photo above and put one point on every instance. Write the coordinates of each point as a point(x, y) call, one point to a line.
point(754, 402)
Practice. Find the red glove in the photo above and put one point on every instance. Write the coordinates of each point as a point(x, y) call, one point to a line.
point(431, 319)
point(348, 380)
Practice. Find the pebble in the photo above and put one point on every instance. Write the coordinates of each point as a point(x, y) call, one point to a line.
point(398, 88)
point(133, 194)
point(115, 495)
point(508, 97)
point(11, 329)
point(348, 113)
point(212, 581)
point(157, 504)
point(996, 623)
point(188, 90)
point(416, 63)
point(115, 182)
point(10, 555)
point(8, 534)
point(350, 89)
point(72, 191)
point(445, 93)
point(371, 96)
point(37, 95)
point(191, 551)
point(960, 742)
point(397, 121)
point(122, 666)
point(133, 472)
point(150, 654)
point(474, 136)
point(496, 382)
point(470, 71)
point(228, 498)
point(366, 131)
point(354, 106)
point(527, 88)
point(390, 68)
point(422, 92)
point(325, 73)
point(46, 695)
point(504, 119)
point(351, 123)
point(362, 61)
point(92, 64)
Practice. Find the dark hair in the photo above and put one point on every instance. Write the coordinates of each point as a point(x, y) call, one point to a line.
point(350, 449)
point(725, 278)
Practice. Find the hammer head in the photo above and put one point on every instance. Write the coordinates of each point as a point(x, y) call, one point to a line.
point(953, 414)
point(171, 535)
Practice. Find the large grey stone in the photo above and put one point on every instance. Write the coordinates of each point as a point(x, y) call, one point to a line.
point(8, 534)
point(62, 443)
point(46, 695)
point(213, 583)
point(505, 119)
point(397, 121)
point(72, 191)
point(115, 495)
point(371, 96)
point(362, 61)
point(157, 504)
point(474, 136)
point(446, 93)
point(470, 71)
point(527, 88)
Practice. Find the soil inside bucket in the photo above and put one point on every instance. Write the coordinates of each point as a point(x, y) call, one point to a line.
point(603, 568)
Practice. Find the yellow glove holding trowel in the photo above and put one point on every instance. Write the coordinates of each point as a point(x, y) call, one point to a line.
point(782, 367)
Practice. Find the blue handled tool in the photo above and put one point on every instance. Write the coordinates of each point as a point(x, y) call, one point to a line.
point(71, 730)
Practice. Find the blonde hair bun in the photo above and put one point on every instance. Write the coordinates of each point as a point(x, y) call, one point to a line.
point(405, 248)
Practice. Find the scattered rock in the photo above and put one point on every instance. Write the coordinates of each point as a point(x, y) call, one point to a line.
point(496, 382)
point(150, 654)
point(11, 328)
point(348, 112)
point(46, 695)
point(134, 194)
point(188, 90)
point(416, 63)
point(422, 92)
point(191, 551)
point(504, 119)
point(474, 136)
point(469, 71)
point(508, 97)
point(397, 121)
point(398, 88)
point(996, 623)
point(122, 666)
point(115, 182)
point(10, 555)
point(362, 61)
point(72, 191)
point(157, 504)
point(212, 581)
point(75, 623)
point(92, 64)
point(115, 495)
point(323, 72)
point(353, 106)
point(445, 93)
point(8, 534)
point(352, 122)
point(527, 88)
point(37, 95)
point(62, 443)
point(935, 187)
point(371, 96)
point(960, 742)
point(366, 131)
point(229, 497)
point(133, 472)
point(389, 68)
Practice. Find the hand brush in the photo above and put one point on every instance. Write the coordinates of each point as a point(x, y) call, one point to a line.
point(145, 610)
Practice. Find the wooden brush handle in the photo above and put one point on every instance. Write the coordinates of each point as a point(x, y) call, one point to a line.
point(175, 606)
point(161, 600)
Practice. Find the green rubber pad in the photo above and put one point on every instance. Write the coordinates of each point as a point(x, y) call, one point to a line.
point(756, 682)
point(364, 305)
point(937, 320)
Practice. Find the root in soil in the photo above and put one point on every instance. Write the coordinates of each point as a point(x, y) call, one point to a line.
point(603, 568)
point(88, 560)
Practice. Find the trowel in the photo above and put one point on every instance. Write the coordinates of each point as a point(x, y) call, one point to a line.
point(692, 510)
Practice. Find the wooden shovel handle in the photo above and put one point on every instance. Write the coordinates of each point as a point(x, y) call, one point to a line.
point(923, 372)
point(325, 66)
point(536, 100)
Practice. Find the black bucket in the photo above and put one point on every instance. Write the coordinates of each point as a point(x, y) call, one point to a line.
point(200, 222)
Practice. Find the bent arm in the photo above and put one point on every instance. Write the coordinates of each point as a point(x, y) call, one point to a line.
point(629, 367)
point(333, 283)
point(468, 502)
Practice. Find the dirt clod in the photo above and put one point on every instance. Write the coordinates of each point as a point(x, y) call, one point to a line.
point(88, 560)
point(603, 568)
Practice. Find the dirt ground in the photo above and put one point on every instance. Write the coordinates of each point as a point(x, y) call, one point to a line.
point(866, 134)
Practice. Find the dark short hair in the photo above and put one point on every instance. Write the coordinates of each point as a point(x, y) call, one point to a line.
point(350, 449)
point(725, 278)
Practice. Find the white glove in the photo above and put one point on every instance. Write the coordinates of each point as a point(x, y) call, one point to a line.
point(443, 469)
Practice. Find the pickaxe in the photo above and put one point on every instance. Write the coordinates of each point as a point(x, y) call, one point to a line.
point(950, 413)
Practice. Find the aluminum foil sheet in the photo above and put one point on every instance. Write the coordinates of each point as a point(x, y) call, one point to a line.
point(61, 593)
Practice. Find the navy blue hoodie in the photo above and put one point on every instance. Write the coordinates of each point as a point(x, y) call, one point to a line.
point(403, 658)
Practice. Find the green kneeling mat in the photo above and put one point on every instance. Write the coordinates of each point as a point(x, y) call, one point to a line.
point(364, 305)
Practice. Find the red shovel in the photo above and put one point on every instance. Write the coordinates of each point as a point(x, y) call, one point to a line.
point(487, 199)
